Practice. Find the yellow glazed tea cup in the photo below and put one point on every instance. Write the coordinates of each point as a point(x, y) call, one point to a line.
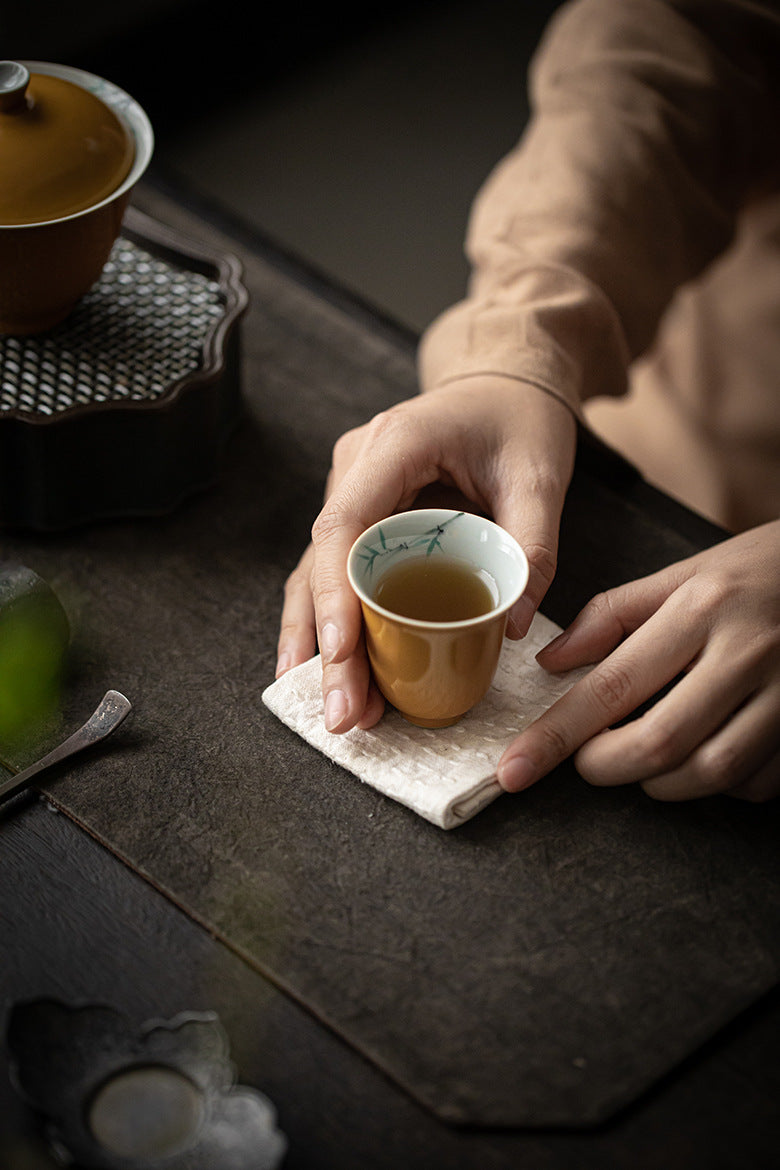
point(434, 671)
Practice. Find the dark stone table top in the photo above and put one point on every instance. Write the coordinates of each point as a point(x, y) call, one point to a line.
point(578, 978)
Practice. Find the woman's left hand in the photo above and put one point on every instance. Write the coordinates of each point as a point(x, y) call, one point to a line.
point(714, 621)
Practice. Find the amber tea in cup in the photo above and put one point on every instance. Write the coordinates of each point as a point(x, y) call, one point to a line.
point(435, 587)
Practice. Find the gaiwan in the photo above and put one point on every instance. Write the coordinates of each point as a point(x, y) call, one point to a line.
point(72, 147)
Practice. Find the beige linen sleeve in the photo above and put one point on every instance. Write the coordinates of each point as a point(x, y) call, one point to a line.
point(649, 121)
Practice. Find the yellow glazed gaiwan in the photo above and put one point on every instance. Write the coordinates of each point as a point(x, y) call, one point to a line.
point(72, 146)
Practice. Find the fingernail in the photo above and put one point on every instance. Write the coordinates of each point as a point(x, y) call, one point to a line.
point(522, 616)
point(335, 709)
point(516, 773)
point(282, 664)
point(330, 640)
point(556, 644)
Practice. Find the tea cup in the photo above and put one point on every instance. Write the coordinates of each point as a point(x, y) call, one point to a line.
point(436, 667)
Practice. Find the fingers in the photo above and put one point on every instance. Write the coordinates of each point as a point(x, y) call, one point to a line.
point(529, 494)
point(612, 690)
point(368, 481)
point(542, 554)
point(337, 614)
point(660, 742)
point(374, 472)
point(297, 632)
point(297, 641)
point(739, 758)
point(608, 619)
point(350, 696)
point(716, 730)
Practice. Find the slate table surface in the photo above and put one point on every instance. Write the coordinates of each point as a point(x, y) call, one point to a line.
point(79, 924)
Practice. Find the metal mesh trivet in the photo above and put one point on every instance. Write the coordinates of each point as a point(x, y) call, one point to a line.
point(140, 329)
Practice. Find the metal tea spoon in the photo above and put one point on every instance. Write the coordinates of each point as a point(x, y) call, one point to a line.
point(110, 712)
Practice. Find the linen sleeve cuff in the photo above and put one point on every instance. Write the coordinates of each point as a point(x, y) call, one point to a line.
point(552, 329)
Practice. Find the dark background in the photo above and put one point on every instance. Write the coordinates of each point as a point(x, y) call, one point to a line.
point(355, 136)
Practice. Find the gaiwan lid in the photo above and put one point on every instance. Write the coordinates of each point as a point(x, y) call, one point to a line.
point(62, 149)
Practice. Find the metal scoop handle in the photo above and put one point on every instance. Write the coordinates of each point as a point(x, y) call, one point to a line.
point(106, 717)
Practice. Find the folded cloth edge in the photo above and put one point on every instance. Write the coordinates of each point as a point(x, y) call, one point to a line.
point(302, 685)
point(446, 776)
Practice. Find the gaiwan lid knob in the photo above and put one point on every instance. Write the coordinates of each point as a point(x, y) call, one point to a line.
point(62, 149)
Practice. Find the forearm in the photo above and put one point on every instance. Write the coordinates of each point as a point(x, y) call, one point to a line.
point(647, 131)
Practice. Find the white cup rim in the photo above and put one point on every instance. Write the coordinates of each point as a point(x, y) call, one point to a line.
point(431, 518)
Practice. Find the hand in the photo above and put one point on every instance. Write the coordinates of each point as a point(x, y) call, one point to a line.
point(714, 620)
point(507, 447)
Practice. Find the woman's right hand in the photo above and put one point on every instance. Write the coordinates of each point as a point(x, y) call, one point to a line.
point(506, 446)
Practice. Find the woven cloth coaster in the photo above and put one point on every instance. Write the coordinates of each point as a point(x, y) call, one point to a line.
point(447, 775)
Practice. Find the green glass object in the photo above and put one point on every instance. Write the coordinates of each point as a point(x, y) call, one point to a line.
point(34, 639)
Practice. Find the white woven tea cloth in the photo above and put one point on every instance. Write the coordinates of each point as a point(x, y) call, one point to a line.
point(447, 775)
